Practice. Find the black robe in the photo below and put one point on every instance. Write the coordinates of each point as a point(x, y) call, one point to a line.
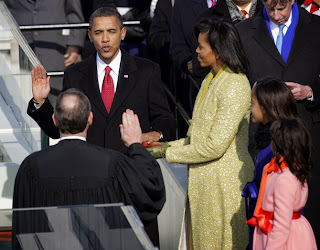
point(76, 172)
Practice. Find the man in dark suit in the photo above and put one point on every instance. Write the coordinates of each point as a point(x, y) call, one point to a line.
point(135, 82)
point(182, 39)
point(56, 49)
point(159, 38)
point(187, 13)
point(76, 172)
point(281, 43)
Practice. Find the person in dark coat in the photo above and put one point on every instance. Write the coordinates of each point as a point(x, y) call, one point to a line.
point(76, 172)
point(183, 42)
point(57, 48)
point(296, 62)
point(159, 37)
point(137, 86)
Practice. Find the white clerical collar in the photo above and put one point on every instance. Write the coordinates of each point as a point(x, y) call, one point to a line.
point(72, 137)
point(114, 65)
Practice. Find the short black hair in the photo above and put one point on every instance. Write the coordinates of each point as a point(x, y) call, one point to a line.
point(106, 12)
point(276, 99)
point(224, 38)
point(73, 118)
point(291, 139)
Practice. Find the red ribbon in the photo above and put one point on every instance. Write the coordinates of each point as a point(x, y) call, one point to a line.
point(264, 218)
point(261, 217)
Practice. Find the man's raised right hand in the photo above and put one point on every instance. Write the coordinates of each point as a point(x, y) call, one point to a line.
point(40, 84)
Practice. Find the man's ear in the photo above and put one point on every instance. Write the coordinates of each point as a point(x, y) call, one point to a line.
point(54, 120)
point(89, 35)
point(123, 33)
point(90, 118)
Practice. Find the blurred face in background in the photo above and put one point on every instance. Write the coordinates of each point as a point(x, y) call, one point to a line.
point(280, 13)
point(106, 35)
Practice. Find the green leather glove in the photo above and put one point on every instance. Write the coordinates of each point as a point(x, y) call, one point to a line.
point(159, 151)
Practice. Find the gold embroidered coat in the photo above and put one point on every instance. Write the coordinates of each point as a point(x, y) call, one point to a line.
point(219, 164)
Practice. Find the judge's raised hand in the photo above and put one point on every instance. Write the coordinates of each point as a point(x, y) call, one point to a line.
point(40, 84)
point(130, 128)
point(299, 91)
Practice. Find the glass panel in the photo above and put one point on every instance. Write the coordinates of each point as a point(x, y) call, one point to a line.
point(20, 135)
point(103, 226)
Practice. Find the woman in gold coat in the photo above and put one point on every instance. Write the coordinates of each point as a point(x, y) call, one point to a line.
point(215, 150)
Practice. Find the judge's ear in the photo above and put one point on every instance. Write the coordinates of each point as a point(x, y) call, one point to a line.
point(54, 120)
point(90, 118)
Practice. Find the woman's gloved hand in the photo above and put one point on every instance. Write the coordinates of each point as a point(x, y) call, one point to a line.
point(159, 151)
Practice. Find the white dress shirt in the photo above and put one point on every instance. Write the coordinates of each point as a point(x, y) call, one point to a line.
point(247, 9)
point(114, 73)
point(73, 137)
point(209, 3)
point(275, 28)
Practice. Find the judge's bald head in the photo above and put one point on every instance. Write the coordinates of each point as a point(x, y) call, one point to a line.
point(71, 111)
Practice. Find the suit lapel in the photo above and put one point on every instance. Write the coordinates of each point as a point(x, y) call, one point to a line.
point(302, 35)
point(221, 10)
point(200, 6)
point(126, 81)
point(89, 84)
point(262, 36)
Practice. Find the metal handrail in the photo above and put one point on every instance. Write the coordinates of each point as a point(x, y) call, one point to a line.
point(66, 26)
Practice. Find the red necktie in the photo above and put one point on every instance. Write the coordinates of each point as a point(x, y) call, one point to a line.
point(107, 92)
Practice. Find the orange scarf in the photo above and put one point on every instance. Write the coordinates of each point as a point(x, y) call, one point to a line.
point(260, 217)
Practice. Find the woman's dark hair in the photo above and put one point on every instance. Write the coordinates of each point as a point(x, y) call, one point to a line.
point(276, 99)
point(291, 139)
point(224, 38)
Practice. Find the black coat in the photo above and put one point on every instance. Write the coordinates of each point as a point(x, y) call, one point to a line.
point(159, 38)
point(182, 39)
point(75, 172)
point(302, 67)
point(139, 88)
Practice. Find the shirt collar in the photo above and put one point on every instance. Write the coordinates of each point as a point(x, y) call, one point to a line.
point(247, 8)
point(287, 24)
point(72, 137)
point(114, 65)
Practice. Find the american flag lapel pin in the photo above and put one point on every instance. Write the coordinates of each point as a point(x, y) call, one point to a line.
point(125, 76)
